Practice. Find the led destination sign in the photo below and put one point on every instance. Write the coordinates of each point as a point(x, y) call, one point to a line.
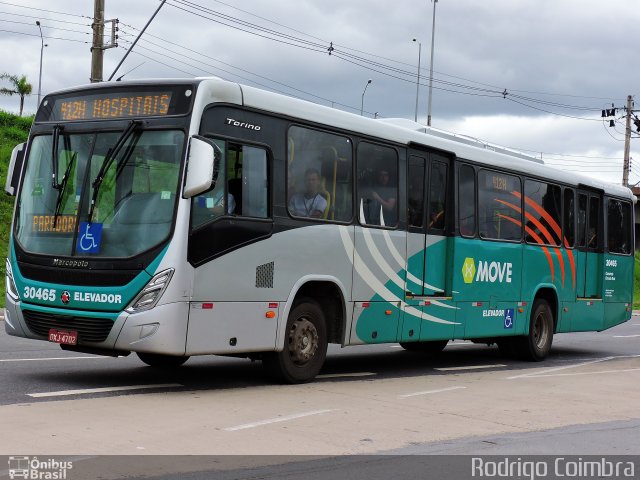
point(114, 105)
point(117, 103)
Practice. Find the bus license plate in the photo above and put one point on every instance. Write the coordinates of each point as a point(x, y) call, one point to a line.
point(66, 338)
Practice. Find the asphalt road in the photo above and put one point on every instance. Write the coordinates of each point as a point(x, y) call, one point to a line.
point(369, 400)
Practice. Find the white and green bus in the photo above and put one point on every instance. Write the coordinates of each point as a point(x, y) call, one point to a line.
point(197, 217)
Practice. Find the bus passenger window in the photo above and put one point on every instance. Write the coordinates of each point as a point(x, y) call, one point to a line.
point(319, 175)
point(542, 206)
point(377, 185)
point(619, 227)
point(499, 215)
point(467, 200)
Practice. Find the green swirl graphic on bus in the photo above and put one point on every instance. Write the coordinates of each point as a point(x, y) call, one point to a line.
point(488, 272)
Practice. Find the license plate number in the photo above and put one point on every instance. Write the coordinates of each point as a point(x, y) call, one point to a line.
point(60, 336)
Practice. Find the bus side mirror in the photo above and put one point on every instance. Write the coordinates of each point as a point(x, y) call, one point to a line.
point(14, 170)
point(202, 167)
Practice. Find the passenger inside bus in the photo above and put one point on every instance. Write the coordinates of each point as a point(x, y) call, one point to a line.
point(383, 200)
point(309, 203)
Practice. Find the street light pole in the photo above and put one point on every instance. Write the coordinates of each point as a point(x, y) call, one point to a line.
point(433, 35)
point(41, 51)
point(362, 103)
point(418, 81)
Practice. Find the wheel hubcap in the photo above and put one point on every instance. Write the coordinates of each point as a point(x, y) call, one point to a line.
point(303, 341)
point(540, 331)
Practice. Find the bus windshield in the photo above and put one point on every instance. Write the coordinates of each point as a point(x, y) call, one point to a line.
point(133, 193)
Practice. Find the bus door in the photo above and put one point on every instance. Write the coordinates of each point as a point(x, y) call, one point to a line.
point(590, 243)
point(426, 318)
point(427, 248)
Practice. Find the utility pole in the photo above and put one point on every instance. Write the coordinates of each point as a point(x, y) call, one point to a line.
point(627, 142)
point(97, 50)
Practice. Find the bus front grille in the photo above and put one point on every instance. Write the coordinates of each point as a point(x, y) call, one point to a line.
point(89, 329)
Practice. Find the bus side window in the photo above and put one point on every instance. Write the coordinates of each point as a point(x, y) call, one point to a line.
point(467, 201)
point(319, 175)
point(619, 227)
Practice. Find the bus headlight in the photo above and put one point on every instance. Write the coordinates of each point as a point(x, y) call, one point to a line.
point(150, 294)
point(12, 290)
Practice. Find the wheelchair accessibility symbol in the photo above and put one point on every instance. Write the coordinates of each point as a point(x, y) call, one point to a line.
point(508, 317)
point(89, 237)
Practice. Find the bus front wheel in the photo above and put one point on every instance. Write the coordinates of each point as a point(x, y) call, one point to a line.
point(305, 345)
point(536, 344)
point(161, 361)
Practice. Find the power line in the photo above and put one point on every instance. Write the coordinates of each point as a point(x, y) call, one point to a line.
point(39, 17)
point(44, 36)
point(45, 10)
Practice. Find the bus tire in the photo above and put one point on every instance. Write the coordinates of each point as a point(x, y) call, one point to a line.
point(161, 361)
point(432, 347)
point(536, 344)
point(305, 347)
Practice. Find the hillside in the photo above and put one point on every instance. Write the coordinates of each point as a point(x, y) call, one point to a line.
point(13, 130)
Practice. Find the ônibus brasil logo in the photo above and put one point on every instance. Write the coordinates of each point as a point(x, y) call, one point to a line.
point(485, 271)
point(65, 297)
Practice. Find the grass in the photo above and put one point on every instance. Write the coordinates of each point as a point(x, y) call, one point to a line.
point(13, 130)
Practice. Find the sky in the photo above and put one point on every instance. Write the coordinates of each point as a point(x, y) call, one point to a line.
point(532, 75)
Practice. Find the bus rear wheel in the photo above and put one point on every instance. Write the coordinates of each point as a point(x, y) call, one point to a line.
point(431, 348)
point(536, 344)
point(161, 361)
point(305, 345)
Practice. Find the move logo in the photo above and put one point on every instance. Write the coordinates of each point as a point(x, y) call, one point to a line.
point(486, 272)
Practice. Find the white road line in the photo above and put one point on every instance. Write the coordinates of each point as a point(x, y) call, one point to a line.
point(624, 370)
point(556, 369)
point(275, 420)
point(461, 344)
point(97, 357)
point(395, 346)
point(345, 375)
point(470, 367)
point(428, 392)
point(625, 336)
point(85, 391)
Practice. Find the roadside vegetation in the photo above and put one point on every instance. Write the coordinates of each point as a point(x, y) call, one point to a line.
point(13, 130)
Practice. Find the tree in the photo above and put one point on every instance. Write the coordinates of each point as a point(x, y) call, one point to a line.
point(20, 87)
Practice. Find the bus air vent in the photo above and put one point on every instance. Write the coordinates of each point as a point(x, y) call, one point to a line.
point(264, 275)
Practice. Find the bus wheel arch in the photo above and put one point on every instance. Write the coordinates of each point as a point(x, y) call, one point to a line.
point(543, 320)
point(305, 346)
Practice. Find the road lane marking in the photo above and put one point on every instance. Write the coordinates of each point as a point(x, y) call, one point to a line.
point(51, 358)
point(429, 392)
point(275, 420)
point(470, 367)
point(625, 336)
point(550, 370)
point(346, 375)
point(85, 391)
point(624, 370)
point(465, 344)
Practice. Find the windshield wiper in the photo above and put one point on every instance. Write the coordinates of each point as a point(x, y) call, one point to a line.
point(54, 156)
point(63, 184)
point(108, 160)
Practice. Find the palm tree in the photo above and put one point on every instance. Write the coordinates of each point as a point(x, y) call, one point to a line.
point(21, 87)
